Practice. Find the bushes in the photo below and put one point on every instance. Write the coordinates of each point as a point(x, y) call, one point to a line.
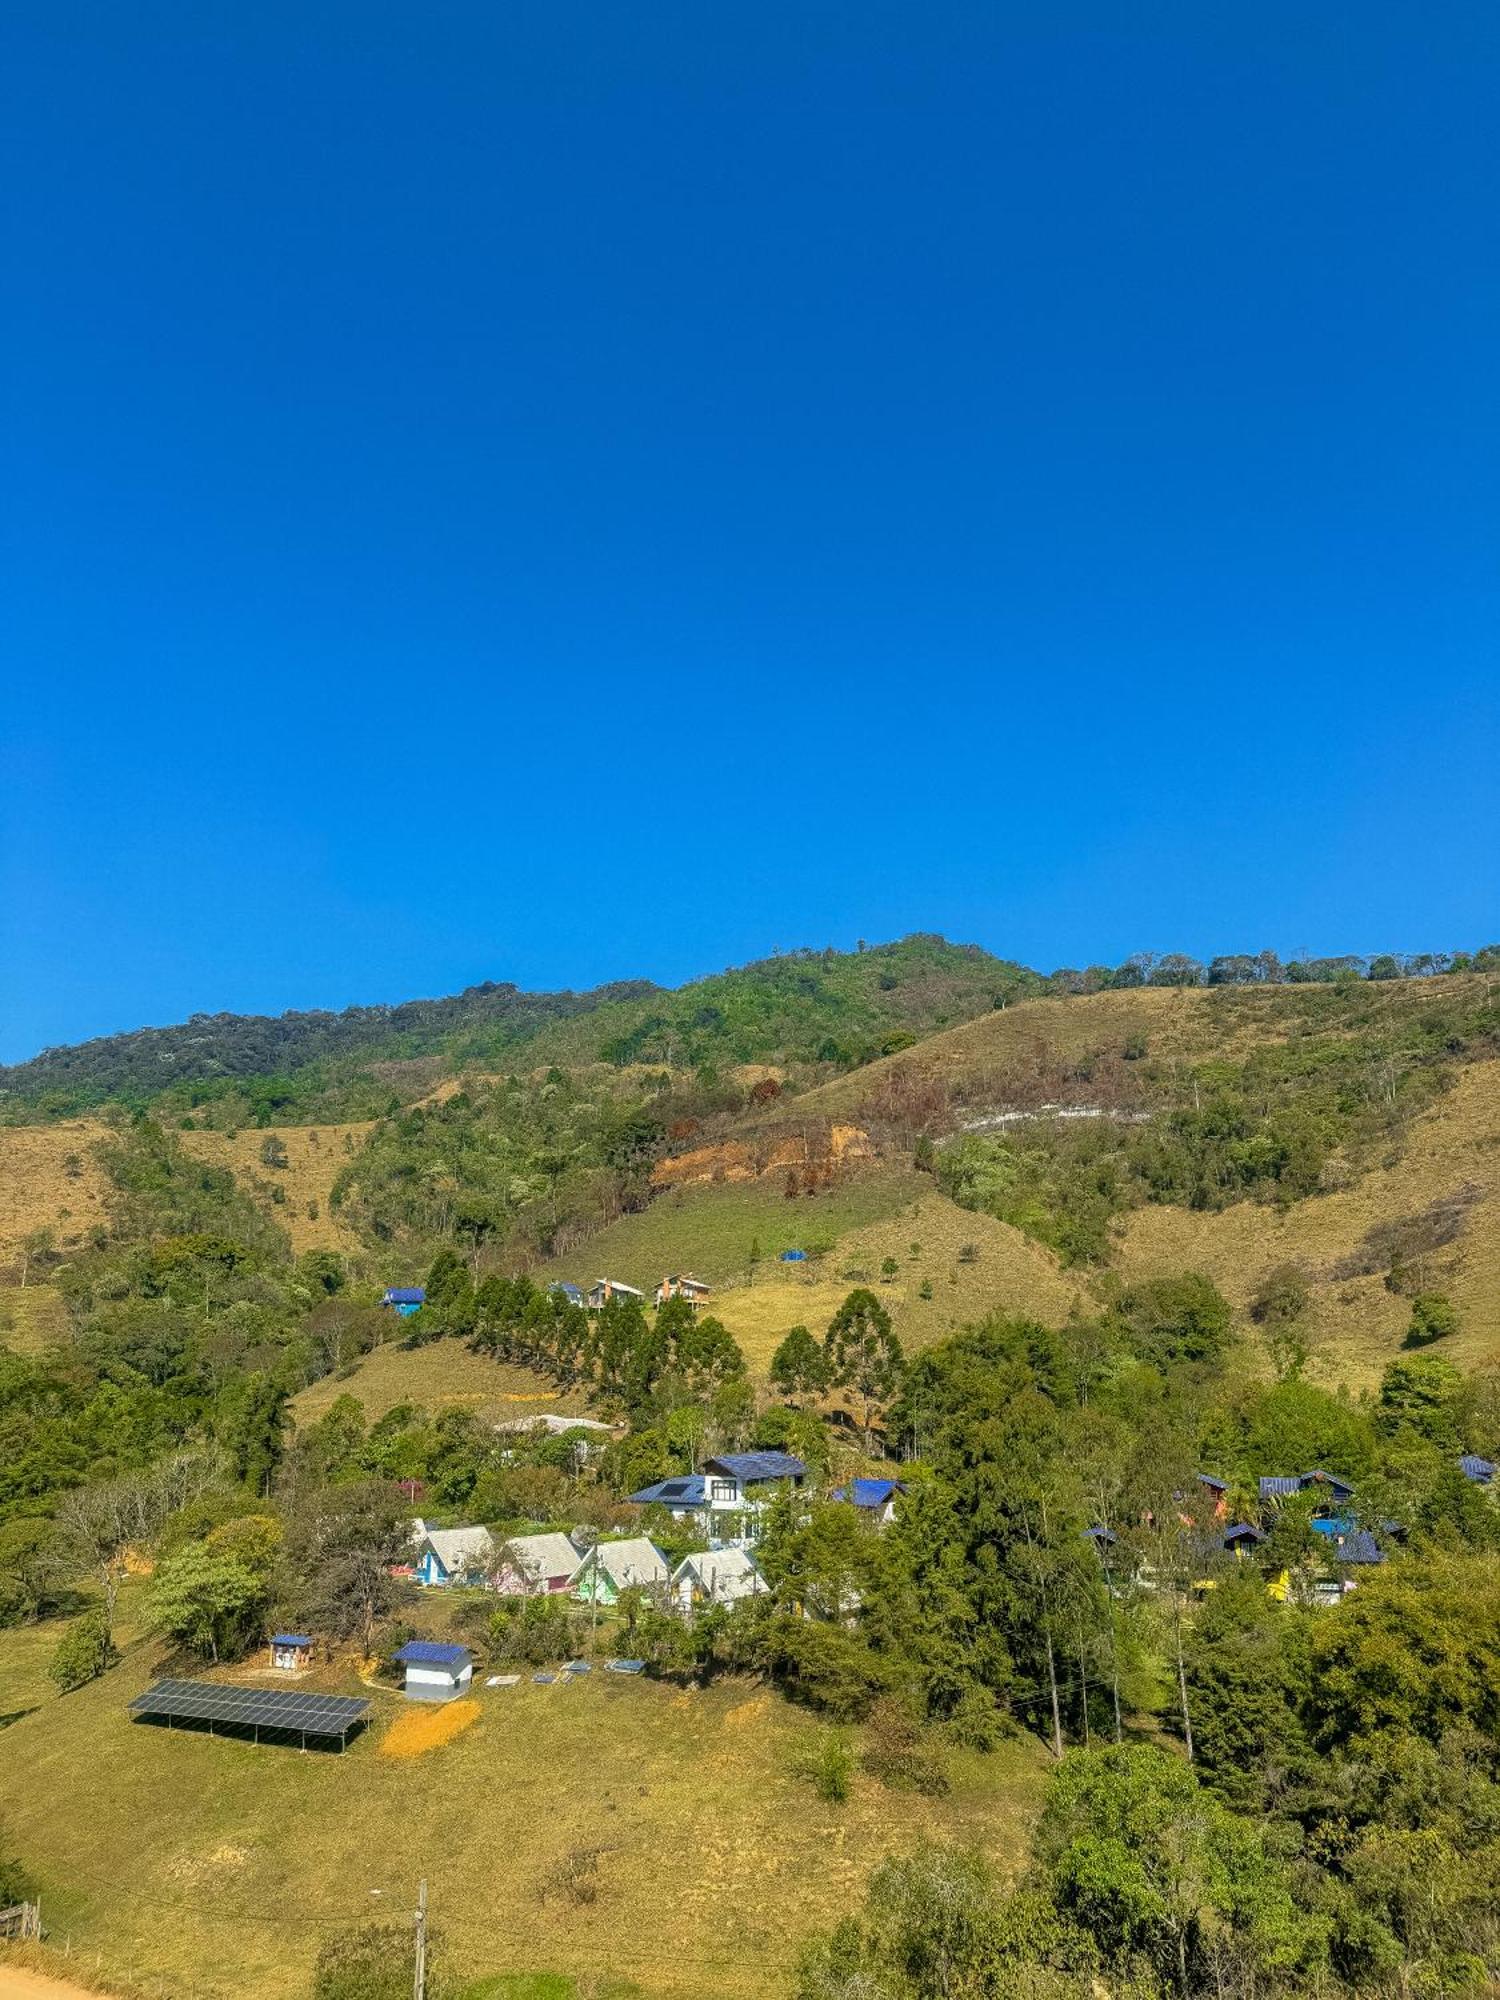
point(1432, 1318)
point(899, 1753)
point(84, 1652)
point(374, 1962)
point(828, 1766)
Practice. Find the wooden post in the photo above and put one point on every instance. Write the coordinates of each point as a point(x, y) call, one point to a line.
point(419, 1974)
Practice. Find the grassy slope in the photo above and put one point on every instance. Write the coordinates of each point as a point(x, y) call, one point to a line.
point(36, 1191)
point(442, 1376)
point(1357, 1324)
point(714, 1860)
point(315, 1156)
point(867, 1218)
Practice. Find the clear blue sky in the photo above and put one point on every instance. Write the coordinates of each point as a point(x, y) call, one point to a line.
point(558, 492)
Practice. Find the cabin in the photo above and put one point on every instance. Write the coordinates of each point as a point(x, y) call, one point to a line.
point(572, 1293)
point(435, 1672)
point(875, 1498)
point(694, 1290)
point(610, 1567)
point(454, 1555)
point(715, 1576)
point(404, 1299)
point(291, 1652)
point(1328, 1488)
point(534, 1565)
point(1217, 1491)
point(1243, 1539)
point(604, 1289)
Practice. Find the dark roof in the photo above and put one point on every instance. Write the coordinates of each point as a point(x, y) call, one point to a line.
point(1480, 1470)
point(405, 1295)
point(1360, 1547)
point(687, 1491)
point(1243, 1531)
point(869, 1492)
point(1213, 1484)
point(426, 1653)
point(750, 1466)
point(1280, 1486)
point(251, 1708)
point(1100, 1537)
point(290, 1639)
point(573, 1292)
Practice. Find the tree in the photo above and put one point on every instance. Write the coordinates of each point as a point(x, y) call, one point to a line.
point(95, 1528)
point(342, 1546)
point(273, 1151)
point(888, 1268)
point(1171, 1320)
point(253, 1427)
point(37, 1245)
point(84, 1652)
point(799, 1366)
point(208, 1599)
point(1432, 1318)
point(863, 1353)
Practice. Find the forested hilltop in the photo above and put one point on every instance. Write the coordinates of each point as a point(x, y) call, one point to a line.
point(836, 1009)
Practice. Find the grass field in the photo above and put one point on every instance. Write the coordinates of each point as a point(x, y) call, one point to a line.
point(874, 1214)
point(211, 1870)
point(50, 1179)
point(32, 1318)
point(316, 1154)
point(1357, 1325)
point(442, 1376)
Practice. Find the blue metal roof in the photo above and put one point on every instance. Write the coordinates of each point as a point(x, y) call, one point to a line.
point(869, 1492)
point(426, 1653)
point(572, 1292)
point(794, 1256)
point(1279, 1486)
point(405, 1295)
point(1213, 1484)
point(687, 1490)
point(1243, 1531)
point(1360, 1547)
point(290, 1639)
point(750, 1466)
point(1100, 1537)
point(1480, 1470)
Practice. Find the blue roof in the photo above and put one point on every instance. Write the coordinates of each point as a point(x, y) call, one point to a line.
point(1243, 1531)
point(749, 1466)
point(1279, 1486)
point(1214, 1484)
point(573, 1292)
point(869, 1492)
point(1335, 1524)
point(405, 1295)
point(1480, 1470)
point(1100, 1537)
point(1360, 1547)
point(688, 1490)
point(425, 1653)
point(794, 1256)
point(290, 1639)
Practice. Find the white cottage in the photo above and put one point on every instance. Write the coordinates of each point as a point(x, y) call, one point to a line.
point(434, 1672)
point(716, 1576)
point(534, 1565)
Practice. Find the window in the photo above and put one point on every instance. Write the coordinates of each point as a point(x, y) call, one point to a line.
point(723, 1491)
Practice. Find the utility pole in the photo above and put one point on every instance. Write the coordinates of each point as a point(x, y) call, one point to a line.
point(419, 1974)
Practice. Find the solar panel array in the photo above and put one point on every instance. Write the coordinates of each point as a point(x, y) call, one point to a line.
point(252, 1708)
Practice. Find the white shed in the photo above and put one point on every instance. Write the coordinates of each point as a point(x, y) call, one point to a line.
point(434, 1672)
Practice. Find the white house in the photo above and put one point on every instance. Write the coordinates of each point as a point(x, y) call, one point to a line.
point(716, 1576)
point(434, 1672)
point(454, 1555)
point(534, 1565)
point(604, 1289)
point(728, 1497)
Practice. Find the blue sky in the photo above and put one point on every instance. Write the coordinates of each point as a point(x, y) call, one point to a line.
point(562, 492)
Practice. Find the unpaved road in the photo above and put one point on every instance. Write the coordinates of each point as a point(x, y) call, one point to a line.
point(17, 1983)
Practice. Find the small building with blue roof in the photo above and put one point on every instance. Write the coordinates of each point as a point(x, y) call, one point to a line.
point(1480, 1470)
point(875, 1498)
point(404, 1299)
point(435, 1672)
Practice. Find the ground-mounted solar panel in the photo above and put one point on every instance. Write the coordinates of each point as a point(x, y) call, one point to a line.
point(291, 1710)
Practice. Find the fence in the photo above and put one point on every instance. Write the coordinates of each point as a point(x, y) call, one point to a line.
point(21, 1920)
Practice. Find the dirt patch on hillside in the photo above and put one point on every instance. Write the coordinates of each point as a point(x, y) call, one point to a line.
point(822, 1148)
point(418, 1730)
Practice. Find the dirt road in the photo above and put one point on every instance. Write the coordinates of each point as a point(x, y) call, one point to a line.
point(17, 1983)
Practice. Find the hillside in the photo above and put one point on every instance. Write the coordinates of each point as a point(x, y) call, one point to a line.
point(229, 1894)
point(807, 1007)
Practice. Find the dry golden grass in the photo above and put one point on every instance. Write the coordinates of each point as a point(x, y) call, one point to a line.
point(1357, 1324)
point(316, 1155)
point(50, 1179)
point(442, 1376)
point(714, 1861)
point(32, 1318)
point(1011, 1274)
point(418, 1730)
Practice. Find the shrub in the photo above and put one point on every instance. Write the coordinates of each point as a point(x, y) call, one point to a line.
point(899, 1754)
point(84, 1652)
point(828, 1766)
point(374, 1962)
point(1432, 1318)
point(574, 1877)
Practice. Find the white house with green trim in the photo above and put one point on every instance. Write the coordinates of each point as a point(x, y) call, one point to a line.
point(612, 1567)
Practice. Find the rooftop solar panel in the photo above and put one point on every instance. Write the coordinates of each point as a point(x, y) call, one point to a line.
point(251, 1708)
